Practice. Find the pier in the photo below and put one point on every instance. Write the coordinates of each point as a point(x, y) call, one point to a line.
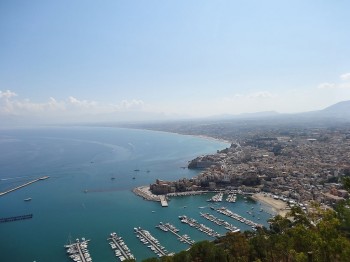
point(216, 198)
point(163, 201)
point(231, 198)
point(78, 251)
point(24, 185)
point(220, 222)
point(146, 238)
point(237, 217)
point(16, 218)
point(172, 229)
point(193, 223)
point(121, 249)
point(187, 193)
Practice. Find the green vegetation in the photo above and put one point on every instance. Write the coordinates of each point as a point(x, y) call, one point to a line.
point(320, 235)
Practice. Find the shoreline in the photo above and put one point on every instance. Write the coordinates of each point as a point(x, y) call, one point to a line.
point(207, 138)
point(278, 206)
point(182, 134)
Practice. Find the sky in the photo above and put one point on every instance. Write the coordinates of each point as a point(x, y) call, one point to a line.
point(119, 60)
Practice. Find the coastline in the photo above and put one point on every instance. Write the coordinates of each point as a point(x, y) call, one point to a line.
point(178, 133)
point(208, 138)
point(277, 206)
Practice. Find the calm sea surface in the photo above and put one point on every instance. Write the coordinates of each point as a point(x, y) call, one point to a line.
point(79, 159)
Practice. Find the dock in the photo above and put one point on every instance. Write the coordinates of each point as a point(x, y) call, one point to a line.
point(147, 239)
point(217, 198)
point(163, 201)
point(24, 185)
point(239, 218)
point(231, 198)
point(16, 218)
point(120, 248)
point(78, 251)
point(172, 229)
point(220, 222)
point(193, 223)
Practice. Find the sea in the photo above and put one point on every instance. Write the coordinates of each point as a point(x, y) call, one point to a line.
point(92, 171)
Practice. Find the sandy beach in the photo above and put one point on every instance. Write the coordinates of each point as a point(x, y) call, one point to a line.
point(277, 205)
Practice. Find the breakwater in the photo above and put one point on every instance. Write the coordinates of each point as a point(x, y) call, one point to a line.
point(16, 218)
point(24, 185)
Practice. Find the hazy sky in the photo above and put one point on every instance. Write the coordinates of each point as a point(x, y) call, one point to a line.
point(196, 58)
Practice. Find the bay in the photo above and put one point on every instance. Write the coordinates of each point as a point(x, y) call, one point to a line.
point(101, 162)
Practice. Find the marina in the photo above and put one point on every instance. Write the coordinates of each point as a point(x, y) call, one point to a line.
point(167, 227)
point(147, 239)
point(119, 247)
point(52, 199)
point(78, 251)
point(193, 223)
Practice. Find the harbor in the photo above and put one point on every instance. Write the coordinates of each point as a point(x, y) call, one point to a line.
point(167, 227)
point(119, 247)
point(78, 251)
point(60, 207)
point(147, 239)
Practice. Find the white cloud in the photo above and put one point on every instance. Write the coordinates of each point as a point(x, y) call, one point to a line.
point(72, 106)
point(345, 76)
point(327, 86)
point(132, 105)
point(334, 86)
point(345, 84)
point(7, 94)
point(261, 94)
point(82, 103)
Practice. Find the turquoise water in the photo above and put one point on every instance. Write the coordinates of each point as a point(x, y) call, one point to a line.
point(79, 159)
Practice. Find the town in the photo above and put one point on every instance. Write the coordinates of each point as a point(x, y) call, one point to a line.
point(299, 164)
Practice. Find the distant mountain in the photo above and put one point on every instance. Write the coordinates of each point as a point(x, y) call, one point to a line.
point(259, 114)
point(338, 111)
point(244, 115)
point(341, 109)
point(334, 113)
